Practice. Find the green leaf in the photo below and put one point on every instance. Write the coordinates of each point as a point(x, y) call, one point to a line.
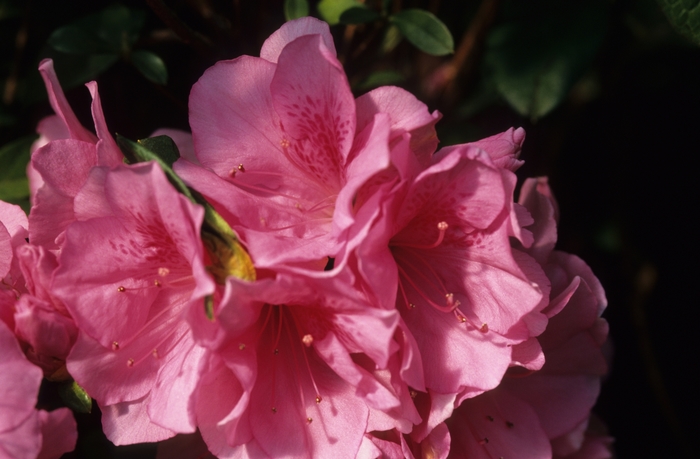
point(684, 15)
point(331, 10)
point(381, 78)
point(164, 147)
point(294, 9)
point(14, 186)
point(75, 397)
point(14, 189)
point(77, 40)
point(358, 15)
point(111, 30)
point(151, 66)
point(425, 31)
point(541, 49)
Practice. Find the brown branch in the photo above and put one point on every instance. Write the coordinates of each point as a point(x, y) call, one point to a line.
point(443, 79)
point(199, 42)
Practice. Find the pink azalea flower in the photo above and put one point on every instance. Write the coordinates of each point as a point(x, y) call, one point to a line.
point(42, 323)
point(441, 253)
point(26, 433)
point(294, 355)
point(129, 268)
point(61, 166)
point(544, 413)
point(285, 147)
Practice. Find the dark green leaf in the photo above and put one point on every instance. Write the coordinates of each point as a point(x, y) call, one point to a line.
point(684, 15)
point(14, 157)
point(425, 31)
point(77, 40)
point(358, 15)
point(75, 397)
point(381, 78)
point(541, 49)
point(7, 10)
point(294, 9)
point(331, 10)
point(112, 30)
point(151, 66)
point(164, 147)
point(14, 189)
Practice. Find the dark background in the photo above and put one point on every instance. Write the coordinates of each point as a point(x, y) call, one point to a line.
point(621, 151)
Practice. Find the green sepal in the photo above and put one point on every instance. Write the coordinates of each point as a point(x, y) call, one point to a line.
point(75, 397)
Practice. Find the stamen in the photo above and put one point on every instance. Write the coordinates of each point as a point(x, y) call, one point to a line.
point(413, 393)
point(309, 420)
point(509, 424)
point(274, 410)
point(115, 346)
point(130, 363)
point(155, 353)
point(307, 340)
point(156, 283)
point(162, 272)
point(241, 346)
point(308, 366)
point(451, 305)
point(442, 228)
point(241, 168)
point(284, 143)
point(490, 418)
point(121, 289)
point(484, 441)
point(484, 328)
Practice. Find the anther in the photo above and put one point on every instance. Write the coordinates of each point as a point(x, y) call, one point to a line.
point(163, 272)
point(274, 410)
point(156, 283)
point(318, 399)
point(411, 305)
point(154, 352)
point(484, 328)
point(484, 441)
point(413, 393)
point(509, 424)
point(277, 351)
point(121, 289)
point(307, 340)
point(241, 347)
point(130, 363)
point(451, 302)
point(232, 173)
point(461, 318)
point(490, 418)
point(115, 346)
point(241, 168)
point(284, 143)
point(309, 420)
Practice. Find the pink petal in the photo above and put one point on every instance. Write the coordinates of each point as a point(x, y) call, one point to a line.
point(108, 153)
point(497, 425)
point(292, 30)
point(60, 104)
point(59, 433)
point(312, 97)
point(504, 148)
point(407, 115)
point(127, 423)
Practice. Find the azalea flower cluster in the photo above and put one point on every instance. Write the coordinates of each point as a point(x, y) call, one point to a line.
point(392, 300)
